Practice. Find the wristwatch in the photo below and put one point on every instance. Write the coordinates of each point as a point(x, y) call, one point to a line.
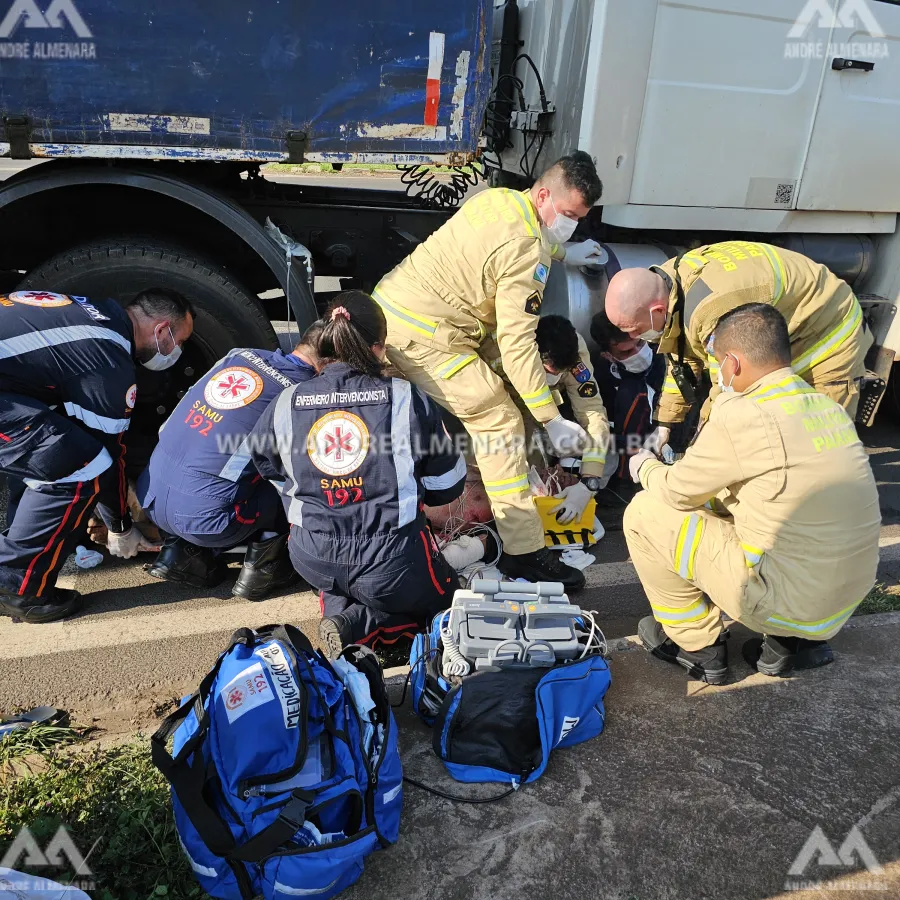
point(591, 483)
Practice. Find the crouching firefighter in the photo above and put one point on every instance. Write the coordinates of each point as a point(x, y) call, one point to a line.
point(359, 454)
point(772, 516)
point(201, 487)
point(67, 368)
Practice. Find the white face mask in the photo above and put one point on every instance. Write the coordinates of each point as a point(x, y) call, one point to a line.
point(640, 362)
point(562, 228)
point(552, 379)
point(725, 388)
point(651, 334)
point(161, 361)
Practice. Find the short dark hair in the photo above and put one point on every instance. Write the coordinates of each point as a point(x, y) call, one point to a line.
point(579, 174)
point(758, 330)
point(311, 335)
point(557, 338)
point(605, 333)
point(162, 303)
point(348, 335)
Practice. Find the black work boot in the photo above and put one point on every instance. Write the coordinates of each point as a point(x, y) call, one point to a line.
point(267, 567)
point(335, 633)
point(186, 563)
point(542, 565)
point(709, 664)
point(56, 604)
point(778, 655)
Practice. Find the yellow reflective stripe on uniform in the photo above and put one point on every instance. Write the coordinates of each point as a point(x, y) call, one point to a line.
point(678, 615)
point(507, 485)
point(523, 207)
point(670, 386)
point(777, 271)
point(597, 456)
point(713, 365)
point(787, 387)
point(823, 626)
point(831, 341)
point(538, 399)
point(686, 547)
point(695, 262)
point(752, 555)
point(458, 362)
point(419, 323)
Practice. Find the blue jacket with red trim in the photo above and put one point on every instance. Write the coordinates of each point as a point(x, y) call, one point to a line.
point(203, 448)
point(357, 456)
point(77, 356)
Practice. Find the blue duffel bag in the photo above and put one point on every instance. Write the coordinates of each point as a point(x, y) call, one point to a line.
point(285, 771)
point(501, 726)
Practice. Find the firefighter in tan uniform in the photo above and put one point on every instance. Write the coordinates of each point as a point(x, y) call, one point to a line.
point(570, 373)
point(772, 516)
point(484, 271)
point(824, 319)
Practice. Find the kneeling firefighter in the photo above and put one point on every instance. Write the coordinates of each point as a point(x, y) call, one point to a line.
point(359, 454)
point(201, 487)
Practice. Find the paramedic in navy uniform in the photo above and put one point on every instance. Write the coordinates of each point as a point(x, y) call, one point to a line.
point(67, 389)
point(359, 453)
point(201, 487)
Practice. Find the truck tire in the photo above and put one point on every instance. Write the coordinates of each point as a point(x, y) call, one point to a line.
point(228, 315)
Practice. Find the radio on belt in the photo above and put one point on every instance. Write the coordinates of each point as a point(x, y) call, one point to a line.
point(499, 624)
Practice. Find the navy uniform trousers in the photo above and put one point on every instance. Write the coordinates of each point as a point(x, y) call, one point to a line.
point(369, 580)
point(55, 470)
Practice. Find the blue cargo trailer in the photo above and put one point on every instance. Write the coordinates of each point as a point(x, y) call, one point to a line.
point(346, 81)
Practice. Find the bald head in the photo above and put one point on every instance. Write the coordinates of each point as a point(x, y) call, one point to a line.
point(637, 301)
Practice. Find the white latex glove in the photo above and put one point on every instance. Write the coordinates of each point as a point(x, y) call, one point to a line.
point(659, 439)
point(575, 499)
point(126, 544)
point(587, 253)
point(635, 463)
point(568, 438)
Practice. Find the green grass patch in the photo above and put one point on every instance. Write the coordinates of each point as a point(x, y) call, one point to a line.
point(113, 802)
point(879, 600)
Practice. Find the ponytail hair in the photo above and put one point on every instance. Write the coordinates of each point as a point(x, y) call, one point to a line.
point(353, 323)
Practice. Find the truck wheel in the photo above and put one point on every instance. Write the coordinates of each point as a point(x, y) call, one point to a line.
point(228, 315)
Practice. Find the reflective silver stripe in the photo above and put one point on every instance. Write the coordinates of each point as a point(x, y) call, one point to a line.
point(304, 892)
point(40, 340)
point(401, 448)
point(97, 466)
point(200, 870)
point(237, 462)
point(99, 423)
point(284, 438)
point(448, 479)
point(392, 793)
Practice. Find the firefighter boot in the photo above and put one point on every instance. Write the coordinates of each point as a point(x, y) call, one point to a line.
point(542, 565)
point(186, 563)
point(267, 567)
point(778, 655)
point(57, 603)
point(709, 664)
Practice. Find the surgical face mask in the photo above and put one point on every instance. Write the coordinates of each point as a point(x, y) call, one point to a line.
point(640, 361)
point(651, 334)
point(725, 388)
point(161, 361)
point(552, 379)
point(562, 228)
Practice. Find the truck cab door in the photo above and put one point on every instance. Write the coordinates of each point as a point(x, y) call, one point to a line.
point(851, 163)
